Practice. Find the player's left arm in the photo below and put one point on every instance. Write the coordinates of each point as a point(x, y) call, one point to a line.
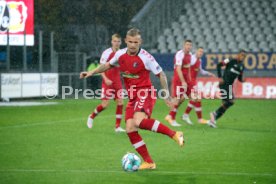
point(165, 89)
point(155, 68)
point(205, 72)
point(164, 83)
point(241, 77)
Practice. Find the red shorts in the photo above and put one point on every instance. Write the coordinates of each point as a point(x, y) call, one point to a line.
point(178, 90)
point(143, 103)
point(114, 91)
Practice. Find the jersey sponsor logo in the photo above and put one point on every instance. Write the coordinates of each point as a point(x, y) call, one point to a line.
point(130, 75)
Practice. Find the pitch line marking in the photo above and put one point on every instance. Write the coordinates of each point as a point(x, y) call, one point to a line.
point(151, 172)
point(49, 122)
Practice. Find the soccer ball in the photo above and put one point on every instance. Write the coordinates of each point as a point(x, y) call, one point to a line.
point(131, 162)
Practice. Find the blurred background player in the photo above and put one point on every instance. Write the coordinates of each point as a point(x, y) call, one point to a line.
point(181, 79)
point(233, 69)
point(111, 85)
point(136, 64)
point(195, 102)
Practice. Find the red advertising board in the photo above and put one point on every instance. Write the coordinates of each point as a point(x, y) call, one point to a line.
point(252, 88)
point(17, 17)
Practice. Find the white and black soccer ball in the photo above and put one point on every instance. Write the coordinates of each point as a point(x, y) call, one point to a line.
point(131, 162)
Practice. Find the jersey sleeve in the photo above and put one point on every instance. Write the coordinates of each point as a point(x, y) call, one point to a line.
point(193, 60)
point(114, 60)
point(152, 65)
point(225, 61)
point(179, 58)
point(104, 57)
point(202, 71)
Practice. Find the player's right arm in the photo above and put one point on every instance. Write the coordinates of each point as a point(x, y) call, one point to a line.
point(104, 60)
point(99, 69)
point(178, 63)
point(102, 68)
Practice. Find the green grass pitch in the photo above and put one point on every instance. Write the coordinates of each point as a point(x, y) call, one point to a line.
point(51, 144)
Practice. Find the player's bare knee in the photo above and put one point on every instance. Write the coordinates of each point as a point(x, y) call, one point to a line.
point(105, 103)
point(120, 102)
point(130, 126)
point(138, 118)
point(197, 100)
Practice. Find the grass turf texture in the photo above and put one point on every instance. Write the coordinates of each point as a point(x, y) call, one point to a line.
point(51, 144)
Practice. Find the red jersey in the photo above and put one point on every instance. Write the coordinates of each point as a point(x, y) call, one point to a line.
point(183, 60)
point(136, 69)
point(114, 73)
point(196, 67)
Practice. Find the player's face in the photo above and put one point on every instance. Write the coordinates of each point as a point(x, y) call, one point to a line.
point(187, 46)
point(241, 56)
point(200, 53)
point(116, 43)
point(133, 44)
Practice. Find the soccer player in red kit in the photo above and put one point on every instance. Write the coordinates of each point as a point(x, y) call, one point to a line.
point(135, 65)
point(181, 79)
point(195, 102)
point(111, 85)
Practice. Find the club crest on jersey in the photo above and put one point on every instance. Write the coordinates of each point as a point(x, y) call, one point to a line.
point(135, 64)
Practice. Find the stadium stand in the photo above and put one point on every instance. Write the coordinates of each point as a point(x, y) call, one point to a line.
point(217, 25)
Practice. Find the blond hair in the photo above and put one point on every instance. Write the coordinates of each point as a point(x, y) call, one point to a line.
point(133, 32)
point(116, 35)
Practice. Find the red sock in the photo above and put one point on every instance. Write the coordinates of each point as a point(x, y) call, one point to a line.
point(98, 109)
point(156, 126)
point(119, 112)
point(138, 143)
point(198, 110)
point(189, 107)
point(173, 112)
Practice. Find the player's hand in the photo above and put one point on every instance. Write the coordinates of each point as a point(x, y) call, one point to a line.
point(212, 75)
point(108, 82)
point(85, 74)
point(184, 84)
point(170, 102)
point(221, 81)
